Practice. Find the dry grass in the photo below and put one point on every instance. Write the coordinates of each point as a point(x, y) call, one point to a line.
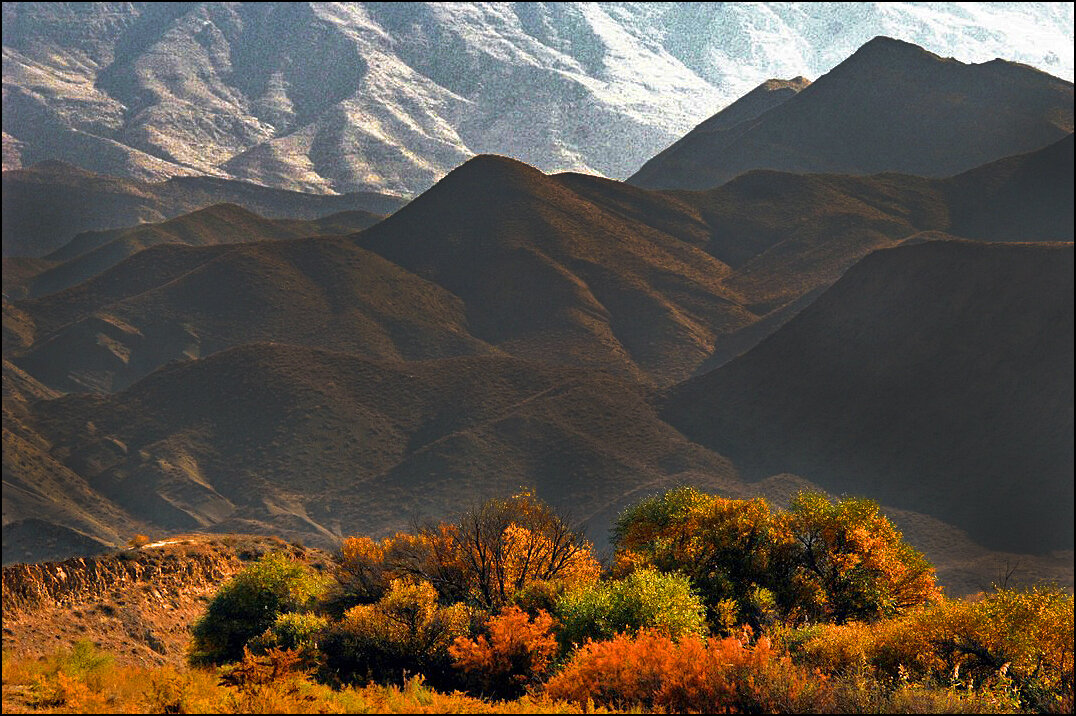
point(83, 681)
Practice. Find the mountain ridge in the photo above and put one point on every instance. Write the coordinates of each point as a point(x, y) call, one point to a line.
point(901, 109)
point(395, 103)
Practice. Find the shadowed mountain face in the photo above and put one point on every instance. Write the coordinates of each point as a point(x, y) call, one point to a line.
point(47, 205)
point(936, 377)
point(92, 252)
point(314, 445)
point(1023, 197)
point(890, 107)
point(510, 328)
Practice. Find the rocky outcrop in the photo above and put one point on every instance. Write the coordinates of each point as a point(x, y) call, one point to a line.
point(26, 586)
point(169, 568)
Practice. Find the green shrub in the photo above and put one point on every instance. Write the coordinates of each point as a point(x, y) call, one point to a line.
point(293, 631)
point(644, 599)
point(249, 604)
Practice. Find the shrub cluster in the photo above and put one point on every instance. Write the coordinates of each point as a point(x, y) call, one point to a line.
point(514, 652)
point(711, 605)
point(405, 633)
point(249, 604)
point(689, 675)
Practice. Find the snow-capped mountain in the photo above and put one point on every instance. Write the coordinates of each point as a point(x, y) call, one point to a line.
point(332, 97)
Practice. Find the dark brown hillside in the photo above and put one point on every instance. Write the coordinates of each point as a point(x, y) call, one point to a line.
point(90, 253)
point(581, 278)
point(297, 441)
point(936, 377)
point(48, 204)
point(311, 445)
point(890, 107)
point(787, 234)
point(49, 510)
point(19, 271)
point(108, 332)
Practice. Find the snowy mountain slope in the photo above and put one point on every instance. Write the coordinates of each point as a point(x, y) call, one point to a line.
point(332, 97)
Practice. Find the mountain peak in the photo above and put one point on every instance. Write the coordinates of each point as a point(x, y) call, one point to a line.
point(891, 45)
point(890, 107)
point(496, 164)
point(891, 54)
point(491, 173)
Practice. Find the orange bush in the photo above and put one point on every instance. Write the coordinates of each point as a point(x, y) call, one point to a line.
point(689, 675)
point(518, 652)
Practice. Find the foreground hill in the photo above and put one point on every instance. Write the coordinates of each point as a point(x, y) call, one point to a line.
point(48, 204)
point(936, 377)
point(92, 252)
point(136, 603)
point(890, 107)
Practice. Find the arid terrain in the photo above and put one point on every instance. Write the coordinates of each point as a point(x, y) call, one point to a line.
point(850, 295)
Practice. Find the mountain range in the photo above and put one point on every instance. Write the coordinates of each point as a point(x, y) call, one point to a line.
point(907, 336)
point(891, 106)
point(338, 97)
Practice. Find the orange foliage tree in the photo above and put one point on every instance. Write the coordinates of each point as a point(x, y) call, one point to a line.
point(493, 552)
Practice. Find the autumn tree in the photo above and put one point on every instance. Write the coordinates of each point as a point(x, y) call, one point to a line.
point(850, 562)
point(731, 550)
point(501, 546)
point(820, 560)
point(486, 557)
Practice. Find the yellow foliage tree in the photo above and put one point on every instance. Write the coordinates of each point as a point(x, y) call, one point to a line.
point(820, 560)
